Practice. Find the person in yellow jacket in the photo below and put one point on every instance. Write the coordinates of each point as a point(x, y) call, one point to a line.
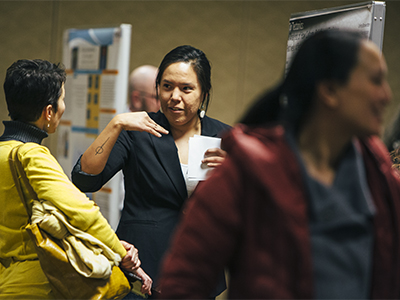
point(34, 91)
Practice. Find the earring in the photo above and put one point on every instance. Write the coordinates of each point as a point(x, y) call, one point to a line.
point(202, 111)
point(48, 125)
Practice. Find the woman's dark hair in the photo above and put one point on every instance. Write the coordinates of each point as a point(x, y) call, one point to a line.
point(31, 85)
point(200, 63)
point(326, 55)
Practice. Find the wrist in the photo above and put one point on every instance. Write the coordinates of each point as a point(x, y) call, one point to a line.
point(117, 123)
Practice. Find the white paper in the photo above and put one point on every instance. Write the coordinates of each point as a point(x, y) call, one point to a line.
point(198, 145)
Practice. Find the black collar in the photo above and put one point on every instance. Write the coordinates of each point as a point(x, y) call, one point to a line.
point(23, 132)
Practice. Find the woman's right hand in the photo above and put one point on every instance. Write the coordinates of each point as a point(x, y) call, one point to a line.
point(95, 157)
point(140, 121)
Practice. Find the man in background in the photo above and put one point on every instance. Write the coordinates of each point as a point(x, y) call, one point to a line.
point(142, 97)
point(142, 91)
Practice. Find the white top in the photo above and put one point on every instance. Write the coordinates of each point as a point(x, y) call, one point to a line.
point(190, 183)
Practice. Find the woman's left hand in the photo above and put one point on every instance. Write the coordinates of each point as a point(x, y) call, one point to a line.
point(147, 282)
point(130, 262)
point(214, 157)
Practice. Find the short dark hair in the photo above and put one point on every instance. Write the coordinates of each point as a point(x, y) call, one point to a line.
point(31, 85)
point(326, 55)
point(200, 63)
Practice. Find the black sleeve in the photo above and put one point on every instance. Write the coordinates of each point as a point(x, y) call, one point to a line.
point(117, 159)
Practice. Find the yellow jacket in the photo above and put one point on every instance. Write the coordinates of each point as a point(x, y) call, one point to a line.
point(20, 269)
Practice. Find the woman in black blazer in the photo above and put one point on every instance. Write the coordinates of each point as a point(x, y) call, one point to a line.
point(152, 150)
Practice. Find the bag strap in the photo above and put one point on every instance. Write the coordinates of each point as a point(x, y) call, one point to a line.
point(16, 167)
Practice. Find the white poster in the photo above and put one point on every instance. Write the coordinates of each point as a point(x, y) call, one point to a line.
point(367, 17)
point(97, 65)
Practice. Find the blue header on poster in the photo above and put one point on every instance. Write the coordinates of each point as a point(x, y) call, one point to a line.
point(95, 36)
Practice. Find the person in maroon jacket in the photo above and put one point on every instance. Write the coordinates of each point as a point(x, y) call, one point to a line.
point(306, 204)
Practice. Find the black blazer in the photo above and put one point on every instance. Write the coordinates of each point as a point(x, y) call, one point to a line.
point(155, 189)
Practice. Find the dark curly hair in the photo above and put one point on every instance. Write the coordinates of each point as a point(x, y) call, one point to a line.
point(31, 85)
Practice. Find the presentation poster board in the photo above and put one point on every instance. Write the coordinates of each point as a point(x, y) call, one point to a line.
point(97, 65)
point(367, 17)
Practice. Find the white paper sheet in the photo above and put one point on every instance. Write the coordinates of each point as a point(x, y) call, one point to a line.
point(198, 145)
